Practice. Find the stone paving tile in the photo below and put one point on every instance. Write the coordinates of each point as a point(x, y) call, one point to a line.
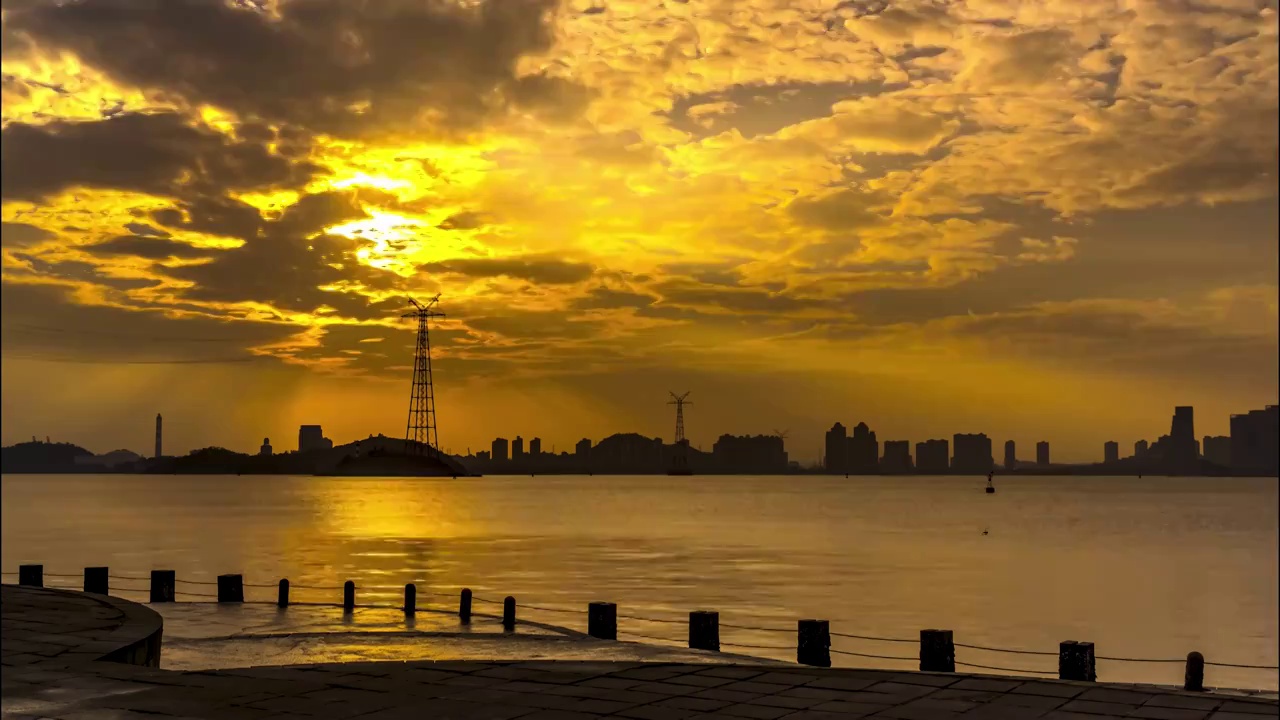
point(1166, 713)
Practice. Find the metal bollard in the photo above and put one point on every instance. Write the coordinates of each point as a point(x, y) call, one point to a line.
point(509, 613)
point(230, 589)
point(1195, 673)
point(31, 575)
point(1076, 661)
point(282, 596)
point(164, 586)
point(348, 596)
point(704, 630)
point(464, 605)
point(96, 581)
point(937, 651)
point(410, 599)
point(602, 620)
point(813, 643)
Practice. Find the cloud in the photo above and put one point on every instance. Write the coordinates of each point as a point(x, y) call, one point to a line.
point(18, 235)
point(537, 269)
point(153, 248)
point(160, 154)
point(326, 65)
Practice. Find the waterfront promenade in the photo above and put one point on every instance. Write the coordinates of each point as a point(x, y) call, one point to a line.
point(75, 656)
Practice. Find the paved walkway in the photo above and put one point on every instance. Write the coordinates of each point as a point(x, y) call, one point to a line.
point(75, 688)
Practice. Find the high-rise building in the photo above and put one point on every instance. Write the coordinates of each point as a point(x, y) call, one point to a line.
point(835, 459)
point(1110, 451)
point(750, 454)
point(1140, 448)
point(1180, 454)
point(498, 450)
point(535, 447)
point(311, 437)
point(932, 456)
point(972, 453)
point(517, 448)
point(159, 435)
point(266, 447)
point(1217, 449)
point(1254, 441)
point(864, 451)
point(1010, 455)
point(1042, 453)
point(583, 448)
point(897, 457)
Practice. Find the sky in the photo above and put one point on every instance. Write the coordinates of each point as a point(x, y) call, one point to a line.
point(1048, 220)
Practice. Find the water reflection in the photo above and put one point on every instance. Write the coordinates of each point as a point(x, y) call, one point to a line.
point(1147, 568)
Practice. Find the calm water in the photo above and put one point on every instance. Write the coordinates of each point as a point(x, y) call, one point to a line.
point(1149, 568)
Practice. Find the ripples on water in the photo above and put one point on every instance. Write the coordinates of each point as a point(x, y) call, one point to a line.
point(1151, 567)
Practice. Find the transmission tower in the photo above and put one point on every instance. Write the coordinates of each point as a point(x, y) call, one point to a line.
point(680, 463)
point(420, 432)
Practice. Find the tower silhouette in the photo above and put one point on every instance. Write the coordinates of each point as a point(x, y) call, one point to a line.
point(420, 431)
point(680, 461)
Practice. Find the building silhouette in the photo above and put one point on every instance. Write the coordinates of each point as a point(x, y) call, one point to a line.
point(1140, 449)
point(483, 456)
point(265, 450)
point(1181, 454)
point(311, 437)
point(535, 447)
point(972, 453)
point(1110, 451)
point(498, 449)
point(517, 448)
point(582, 449)
point(1042, 453)
point(1217, 449)
point(749, 454)
point(159, 435)
point(1254, 445)
point(897, 457)
point(1010, 455)
point(863, 456)
point(933, 456)
point(835, 459)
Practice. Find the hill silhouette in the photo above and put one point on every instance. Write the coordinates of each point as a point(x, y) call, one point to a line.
point(43, 457)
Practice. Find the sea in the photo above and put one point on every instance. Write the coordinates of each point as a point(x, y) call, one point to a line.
point(1148, 569)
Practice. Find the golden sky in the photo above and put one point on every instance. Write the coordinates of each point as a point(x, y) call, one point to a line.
point(1039, 220)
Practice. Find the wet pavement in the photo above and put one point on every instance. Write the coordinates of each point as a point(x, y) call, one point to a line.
point(52, 641)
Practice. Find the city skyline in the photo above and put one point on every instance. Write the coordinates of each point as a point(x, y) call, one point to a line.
point(865, 454)
point(986, 217)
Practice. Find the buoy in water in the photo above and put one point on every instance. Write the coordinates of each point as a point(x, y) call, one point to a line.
point(990, 488)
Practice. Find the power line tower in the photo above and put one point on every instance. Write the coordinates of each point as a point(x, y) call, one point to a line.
point(420, 431)
point(680, 463)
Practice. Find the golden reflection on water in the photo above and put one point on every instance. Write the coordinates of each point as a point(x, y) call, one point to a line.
point(1143, 568)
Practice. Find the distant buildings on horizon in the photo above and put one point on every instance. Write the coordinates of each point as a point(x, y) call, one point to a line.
point(1253, 447)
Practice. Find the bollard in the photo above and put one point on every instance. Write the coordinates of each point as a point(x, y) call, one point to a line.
point(230, 589)
point(348, 596)
point(95, 580)
point(509, 613)
point(813, 643)
point(937, 651)
point(1195, 673)
point(410, 599)
point(464, 605)
point(282, 597)
point(1076, 661)
point(602, 620)
point(164, 585)
point(31, 575)
point(704, 630)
